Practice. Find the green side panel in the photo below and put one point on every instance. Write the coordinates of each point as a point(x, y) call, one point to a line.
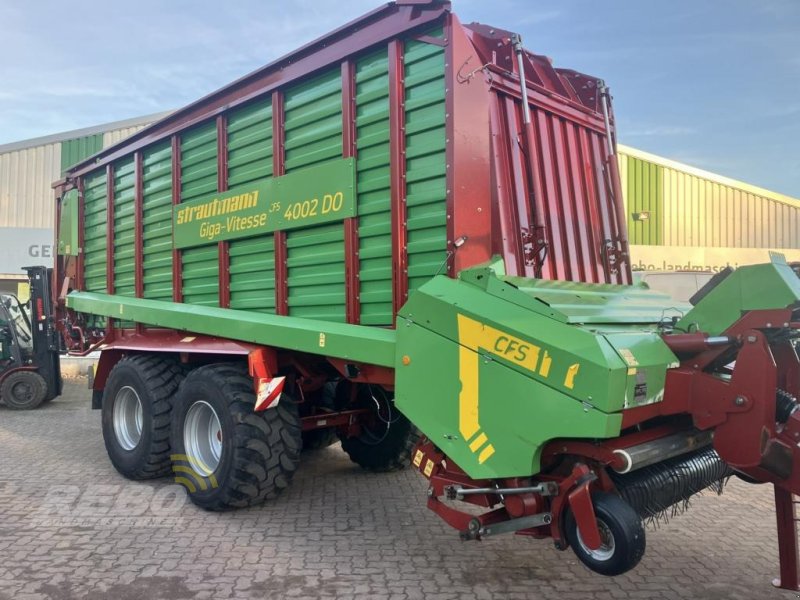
point(124, 228)
point(540, 413)
point(250, 143)
point(752, 287)
point(157, 221)
point(68, 227)
point(199, 266)
point(315, 255)
point(95, 205)
point(374, 189)
point(426, 184)
point(74, 151)
point(252, 261)
point(645, 193)
point(373, 345)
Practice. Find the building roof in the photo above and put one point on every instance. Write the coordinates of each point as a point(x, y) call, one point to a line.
point(78, 133)
point(707, 175)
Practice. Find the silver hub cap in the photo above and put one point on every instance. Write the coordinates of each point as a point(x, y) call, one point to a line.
point(606, 549)
point(202, 438)
point(128, 418)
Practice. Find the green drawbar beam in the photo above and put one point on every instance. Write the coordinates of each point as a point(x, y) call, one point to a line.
point(339, 340)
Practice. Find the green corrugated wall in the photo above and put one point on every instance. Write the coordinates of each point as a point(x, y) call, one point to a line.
point(124, 228)
point(426, 184)
point(199, 266)
point(373, 186)
point(94, 234)
point(315, 255)
point(645, 194)
point(157, 221)
point(74, 151)
point(252, 260)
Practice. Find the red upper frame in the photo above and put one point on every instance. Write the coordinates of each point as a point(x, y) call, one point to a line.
point(545, 194)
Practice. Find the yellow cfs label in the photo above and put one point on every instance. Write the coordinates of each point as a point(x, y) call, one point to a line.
point(474, 336)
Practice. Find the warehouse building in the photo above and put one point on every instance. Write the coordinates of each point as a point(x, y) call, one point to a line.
point(679, 217)
point(683, 218)
point(27, 171)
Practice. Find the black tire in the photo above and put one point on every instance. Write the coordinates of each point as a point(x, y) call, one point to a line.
point(317, 439)
point(259, 452)
point(386, 443)
point(624, 539)
point(155, 381)
point(23, 390)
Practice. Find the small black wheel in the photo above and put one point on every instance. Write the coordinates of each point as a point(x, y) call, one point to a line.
point(23, 390)
point(387, 437)
point(137, 402)
point(224, 454)
point(621, 532)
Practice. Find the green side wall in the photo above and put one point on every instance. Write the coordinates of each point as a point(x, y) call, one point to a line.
point(252, 261)
point(74, 151)
point(315, 255)
point(645, 193)
point(199, 266)
point(426, 185)
point(374, 188)
point(157, 221)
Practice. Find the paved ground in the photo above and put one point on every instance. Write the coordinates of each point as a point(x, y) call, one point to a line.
point(71, 527)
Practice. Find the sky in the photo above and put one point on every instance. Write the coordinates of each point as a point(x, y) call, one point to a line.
point(712, 83)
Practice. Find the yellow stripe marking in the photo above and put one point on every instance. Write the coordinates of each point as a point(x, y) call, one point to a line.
point(468, 398)
point(544, 369)
point(569, 380)
point(478, 442)
point(485, 454)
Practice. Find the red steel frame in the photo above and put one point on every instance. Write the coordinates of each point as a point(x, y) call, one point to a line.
point(534, 193)
point(138, 208)
point(177, 277)
point(351, 245)
point(369, 31)
point(110, 228)
point(278, 169)
point(222, 185)
point(397, 151)
point(79, 275)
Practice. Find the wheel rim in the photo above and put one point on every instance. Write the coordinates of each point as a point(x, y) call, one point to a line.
point(22, 392)
point(202, 438)
point(607, 545)
point(128, 418)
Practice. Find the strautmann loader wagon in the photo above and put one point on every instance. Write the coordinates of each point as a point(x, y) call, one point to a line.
point(409, 234)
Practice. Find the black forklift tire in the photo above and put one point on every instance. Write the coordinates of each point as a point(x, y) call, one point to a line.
point(256, 453)
point(23, 390)
point(622, 532)
point(152, 382)
point(387, 445)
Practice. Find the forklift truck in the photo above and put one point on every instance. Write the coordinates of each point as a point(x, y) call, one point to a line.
point(30, 369)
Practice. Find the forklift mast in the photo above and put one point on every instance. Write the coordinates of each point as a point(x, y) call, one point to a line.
point(46, 340)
